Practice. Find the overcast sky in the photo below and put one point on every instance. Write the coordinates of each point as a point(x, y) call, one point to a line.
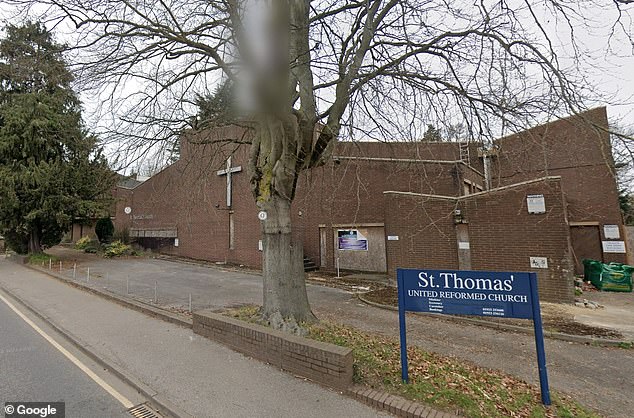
point(611, 67)
point(608, 53)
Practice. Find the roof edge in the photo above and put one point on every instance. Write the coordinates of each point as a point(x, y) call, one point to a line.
point(510, 186)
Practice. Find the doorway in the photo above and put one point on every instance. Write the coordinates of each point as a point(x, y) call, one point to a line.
point(586, 243)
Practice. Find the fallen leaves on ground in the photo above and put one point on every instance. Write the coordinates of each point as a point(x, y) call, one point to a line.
point(442, 381)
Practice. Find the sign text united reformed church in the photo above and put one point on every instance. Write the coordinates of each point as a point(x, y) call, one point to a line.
point(468, 293)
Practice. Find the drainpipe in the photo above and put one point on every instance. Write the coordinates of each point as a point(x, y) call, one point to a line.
point(487, 170)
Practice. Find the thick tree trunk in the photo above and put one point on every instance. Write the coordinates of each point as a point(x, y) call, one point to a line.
point(35, 238)
point(285, 298)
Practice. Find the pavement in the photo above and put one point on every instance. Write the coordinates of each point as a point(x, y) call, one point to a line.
point(195, 375)
point(598, 377)
point(617, 312)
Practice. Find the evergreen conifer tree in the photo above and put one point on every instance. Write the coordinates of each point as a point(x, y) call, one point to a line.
point(51, 170)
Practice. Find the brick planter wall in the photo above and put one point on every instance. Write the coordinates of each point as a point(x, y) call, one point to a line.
point(324, 363)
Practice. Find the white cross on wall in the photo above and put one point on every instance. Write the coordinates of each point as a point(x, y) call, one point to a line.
point(228, 171)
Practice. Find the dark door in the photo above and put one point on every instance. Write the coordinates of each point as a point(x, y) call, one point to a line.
point(586, 243)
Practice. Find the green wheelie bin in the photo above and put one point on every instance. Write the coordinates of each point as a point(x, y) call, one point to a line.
point(614, 277)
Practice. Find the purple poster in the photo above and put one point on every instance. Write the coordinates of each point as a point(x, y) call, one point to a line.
point(351, 239)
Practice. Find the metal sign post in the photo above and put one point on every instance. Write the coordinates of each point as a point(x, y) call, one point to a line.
point(402, 327)
point(484, 293)
point(539, 341)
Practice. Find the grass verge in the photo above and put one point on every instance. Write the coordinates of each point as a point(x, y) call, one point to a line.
point(39, 258)
point(441, 381)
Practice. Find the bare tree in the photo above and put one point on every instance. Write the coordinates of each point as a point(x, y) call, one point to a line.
point(312, 71)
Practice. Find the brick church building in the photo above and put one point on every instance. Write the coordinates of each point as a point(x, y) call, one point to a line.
point(542, 200)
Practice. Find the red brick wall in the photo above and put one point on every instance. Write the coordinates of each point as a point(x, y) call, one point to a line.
point(426, 230)
point(577, 149)
point(502, 234)
point(191, 197)
point(122, 199)
point(448, 151)
point(349, 192)
point(325, 363)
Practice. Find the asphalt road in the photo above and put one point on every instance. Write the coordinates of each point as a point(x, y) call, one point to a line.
point(33, 370)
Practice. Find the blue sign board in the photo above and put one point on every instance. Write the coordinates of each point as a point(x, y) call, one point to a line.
point(483, 293)
point(467, 293)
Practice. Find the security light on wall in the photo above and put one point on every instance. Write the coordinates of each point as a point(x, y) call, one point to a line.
point(458, 216)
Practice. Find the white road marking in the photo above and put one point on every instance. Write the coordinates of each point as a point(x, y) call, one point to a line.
point(112, 391)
